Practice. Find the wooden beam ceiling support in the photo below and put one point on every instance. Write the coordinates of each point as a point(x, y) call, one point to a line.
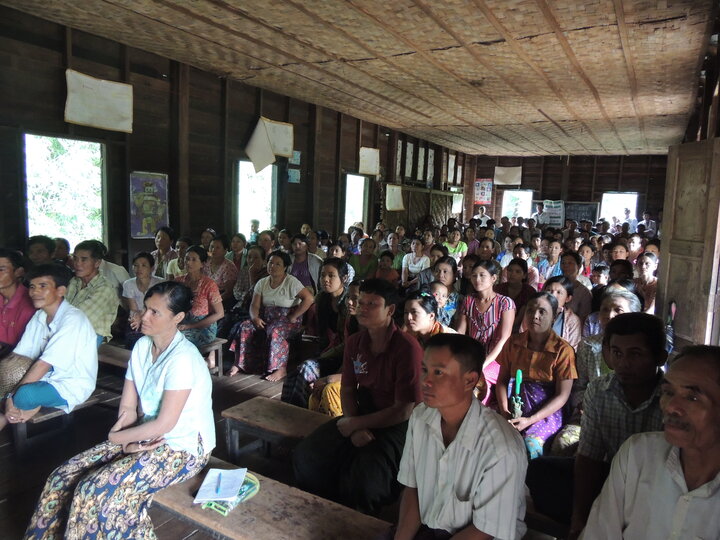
point(302, 8)
point(630, 66)
point(361, 8)
point(294, 58)
point(488, 66)
point(562, 40)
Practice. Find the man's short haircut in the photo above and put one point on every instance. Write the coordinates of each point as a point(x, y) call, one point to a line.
point(47, 242)
point(16, 260)
point(382, 288)
point(627, 324)
point(468, 352)
point(97, 249)
point(471, 258)
point(627, 266)
point(387, 254)
point(632, 299)
point(602, 269)
point(167, 230)
point(711, 353)
point(299, 236)
point(63, 241)
point(59, 273)
point(520, 263)
point(575, 255)
point(185, 239)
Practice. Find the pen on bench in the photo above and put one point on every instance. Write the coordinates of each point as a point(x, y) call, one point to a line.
point(217, 487)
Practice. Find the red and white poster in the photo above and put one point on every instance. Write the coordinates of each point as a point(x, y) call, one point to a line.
point(483, 190)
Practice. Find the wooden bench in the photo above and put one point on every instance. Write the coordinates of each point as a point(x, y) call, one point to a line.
point(120, 356)
point(277, 512)
point(269, 420)
point(22, 441)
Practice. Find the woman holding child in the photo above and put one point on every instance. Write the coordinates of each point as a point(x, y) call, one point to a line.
point(164, 434)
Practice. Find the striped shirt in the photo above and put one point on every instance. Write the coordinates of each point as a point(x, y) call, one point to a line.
point(479, 478)
point(608, 420)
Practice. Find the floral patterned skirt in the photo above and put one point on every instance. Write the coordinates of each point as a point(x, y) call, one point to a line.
point(105, 493)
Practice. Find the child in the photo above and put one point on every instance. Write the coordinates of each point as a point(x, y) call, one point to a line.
point(440, 291)
point(599, 276)
point(385, 270)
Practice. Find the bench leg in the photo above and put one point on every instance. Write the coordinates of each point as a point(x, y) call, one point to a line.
point(232, 441)
point(20, 440)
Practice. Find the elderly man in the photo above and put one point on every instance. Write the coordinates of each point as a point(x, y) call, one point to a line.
point(665, 484)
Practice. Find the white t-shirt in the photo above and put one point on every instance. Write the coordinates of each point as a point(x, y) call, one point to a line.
point(284, 295)
point(415, 266)
point(130, 290)
point(179, 367)
point(479, 478)
point(69, 345)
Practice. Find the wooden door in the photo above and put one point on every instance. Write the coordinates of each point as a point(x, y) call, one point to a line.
point(688, 271)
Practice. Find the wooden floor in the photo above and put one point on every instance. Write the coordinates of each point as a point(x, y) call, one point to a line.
point(22, 477)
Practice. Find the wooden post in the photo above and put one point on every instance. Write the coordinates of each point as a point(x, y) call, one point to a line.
point(565, 181)
point(229, 180)
point(182, 112)
point(339, 184)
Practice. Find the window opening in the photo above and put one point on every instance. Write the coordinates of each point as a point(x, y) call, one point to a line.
point(64, 182)
point(257, 193)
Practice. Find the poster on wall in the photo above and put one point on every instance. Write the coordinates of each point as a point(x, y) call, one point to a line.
point(483, 191)
point(148, 203)
point(556, 212)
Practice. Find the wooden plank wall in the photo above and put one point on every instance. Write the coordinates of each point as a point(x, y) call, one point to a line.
point(579, 178)
point(194, 125)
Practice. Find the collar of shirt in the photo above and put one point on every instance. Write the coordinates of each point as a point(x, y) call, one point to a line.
point(674, 465)
point(612, 384)
point(16, 298)
point(552, 345)
point(465, 437)
point(57, 318)
point(365, 342)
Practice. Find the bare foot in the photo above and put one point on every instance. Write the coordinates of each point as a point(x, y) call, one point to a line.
point(15, 415)
point(234, 371)
point(277, 375)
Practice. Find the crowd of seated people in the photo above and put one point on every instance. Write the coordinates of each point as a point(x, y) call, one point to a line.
point(521, 343)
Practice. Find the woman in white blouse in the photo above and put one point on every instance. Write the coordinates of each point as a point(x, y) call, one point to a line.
point(413, 263)
point(278, 305)
point(134, 289)
point(164, 434)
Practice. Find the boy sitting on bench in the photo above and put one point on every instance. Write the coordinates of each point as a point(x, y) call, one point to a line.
point(60, 345)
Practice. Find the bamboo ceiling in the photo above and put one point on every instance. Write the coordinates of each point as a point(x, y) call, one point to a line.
point(498, 77)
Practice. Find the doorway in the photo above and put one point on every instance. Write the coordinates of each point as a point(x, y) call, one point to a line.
point(257, 196)
point(356, 200)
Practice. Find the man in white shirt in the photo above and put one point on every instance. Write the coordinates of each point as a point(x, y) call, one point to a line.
point(61, 342)
point(540, 216)
point(463, 465)
point(667, 484)
point(649, 224)
point(482, 217)
point(631, 221)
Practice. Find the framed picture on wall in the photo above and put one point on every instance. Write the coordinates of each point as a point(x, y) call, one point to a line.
point(148, 203)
